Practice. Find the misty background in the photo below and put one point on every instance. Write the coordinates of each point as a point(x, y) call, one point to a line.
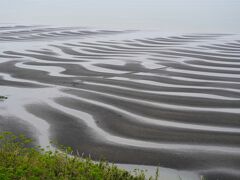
point(165, 15)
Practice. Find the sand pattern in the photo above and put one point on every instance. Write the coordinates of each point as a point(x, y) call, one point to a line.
point(140, 97)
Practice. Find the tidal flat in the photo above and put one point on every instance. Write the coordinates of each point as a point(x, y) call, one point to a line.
point(127, 96)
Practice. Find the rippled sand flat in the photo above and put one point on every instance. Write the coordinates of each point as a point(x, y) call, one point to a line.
point(135, 97)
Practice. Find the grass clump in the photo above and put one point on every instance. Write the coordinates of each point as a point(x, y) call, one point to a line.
point(18, 160)
point(3, 97)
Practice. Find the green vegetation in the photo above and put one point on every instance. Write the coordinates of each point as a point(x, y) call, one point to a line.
point(2, 97)
point(18, 160)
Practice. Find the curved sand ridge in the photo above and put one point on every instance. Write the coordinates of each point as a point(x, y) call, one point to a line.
point(128, 96)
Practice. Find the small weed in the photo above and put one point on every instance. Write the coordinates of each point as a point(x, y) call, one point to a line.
point(3, 97)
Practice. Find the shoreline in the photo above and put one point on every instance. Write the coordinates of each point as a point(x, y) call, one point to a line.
point(164, 173)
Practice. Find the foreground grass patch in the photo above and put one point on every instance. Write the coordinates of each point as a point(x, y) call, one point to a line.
point(20, 161)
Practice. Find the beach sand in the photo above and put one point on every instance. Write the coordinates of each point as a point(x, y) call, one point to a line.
point(129, 97)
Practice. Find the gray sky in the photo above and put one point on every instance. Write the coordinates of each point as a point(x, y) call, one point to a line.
point(165, 15)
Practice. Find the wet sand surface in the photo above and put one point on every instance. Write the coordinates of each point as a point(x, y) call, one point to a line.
point(132, 97)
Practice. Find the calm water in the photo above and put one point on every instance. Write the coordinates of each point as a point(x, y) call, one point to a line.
point(165, 15)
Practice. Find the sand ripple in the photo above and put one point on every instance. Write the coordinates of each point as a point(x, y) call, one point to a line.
point(129, 96)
